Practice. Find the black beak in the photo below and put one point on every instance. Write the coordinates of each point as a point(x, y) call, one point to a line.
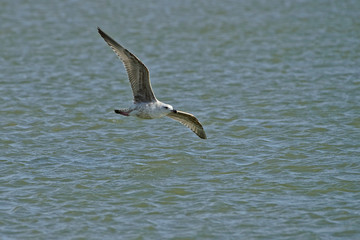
point(174, 111)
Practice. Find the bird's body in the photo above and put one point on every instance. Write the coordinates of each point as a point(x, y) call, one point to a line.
point(145, 103)
point(146, 110)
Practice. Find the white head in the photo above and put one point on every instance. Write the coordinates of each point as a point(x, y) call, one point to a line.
point(167, 108)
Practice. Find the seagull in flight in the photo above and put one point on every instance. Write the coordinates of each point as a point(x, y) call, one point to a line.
point(145, 104)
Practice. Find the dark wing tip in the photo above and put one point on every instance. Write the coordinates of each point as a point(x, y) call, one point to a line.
point(202, 135)
point(200, 131)
point(101, 32)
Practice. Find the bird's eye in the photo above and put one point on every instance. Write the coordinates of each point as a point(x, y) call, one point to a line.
point(166, 107)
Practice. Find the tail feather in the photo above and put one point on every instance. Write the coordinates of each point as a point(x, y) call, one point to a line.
point(124, 112)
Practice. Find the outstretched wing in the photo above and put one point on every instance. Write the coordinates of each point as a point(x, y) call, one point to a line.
point(189, 121)
point(137, 72)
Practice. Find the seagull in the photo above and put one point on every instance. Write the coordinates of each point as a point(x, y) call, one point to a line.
point(145, 104)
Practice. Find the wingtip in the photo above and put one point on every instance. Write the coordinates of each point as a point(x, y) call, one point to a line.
point(104, 35)
point(202, 135)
